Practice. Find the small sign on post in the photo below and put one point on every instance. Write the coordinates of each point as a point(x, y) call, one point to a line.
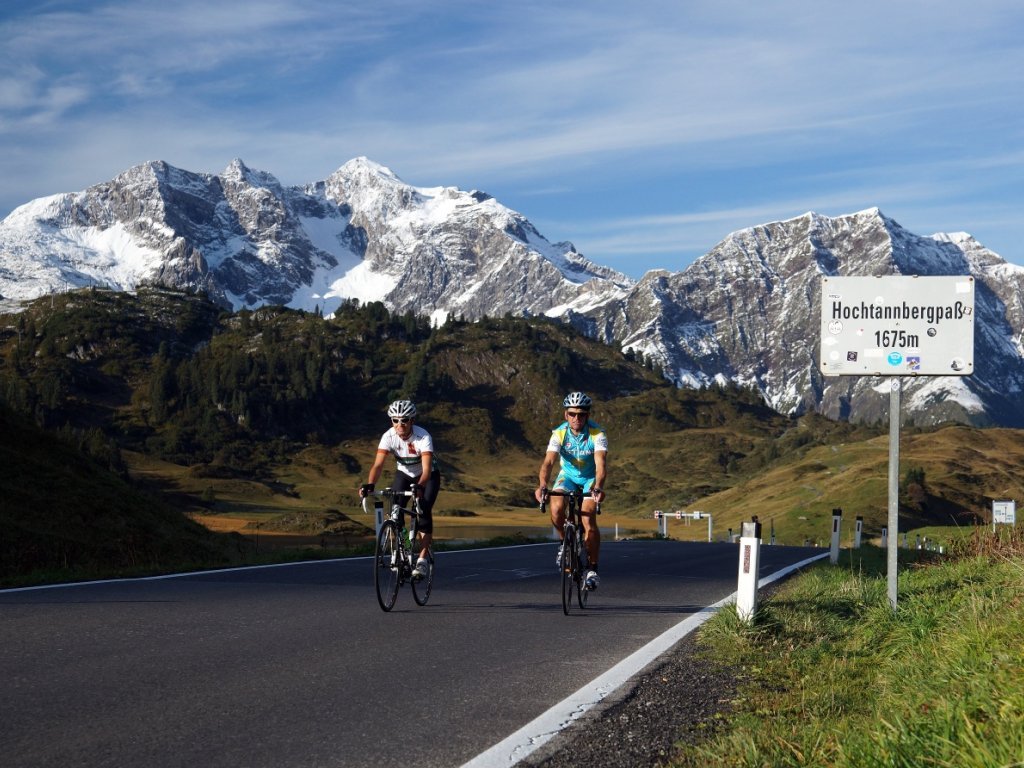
point(897, 326)
point(1004, 512)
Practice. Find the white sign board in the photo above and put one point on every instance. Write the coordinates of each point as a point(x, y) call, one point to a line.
point(1004, 512)
point(897, 325)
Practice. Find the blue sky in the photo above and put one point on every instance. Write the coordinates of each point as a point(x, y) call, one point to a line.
point(644, 136)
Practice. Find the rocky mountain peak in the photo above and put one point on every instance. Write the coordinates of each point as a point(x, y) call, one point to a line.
point(237, 173)
point(363, 186)
point(748, 311)
point(361, 233)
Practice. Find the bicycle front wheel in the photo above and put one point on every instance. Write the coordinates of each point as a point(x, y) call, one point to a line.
point(568, 568)
point(580, 573)
point(387, 565)
point(421, 587)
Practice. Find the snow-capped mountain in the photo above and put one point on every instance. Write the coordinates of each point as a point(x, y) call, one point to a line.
point(748, 311)
point(248, 241)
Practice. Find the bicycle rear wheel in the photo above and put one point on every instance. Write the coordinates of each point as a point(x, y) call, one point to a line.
point(569, 567)
point(421, 588)
point(386, 565)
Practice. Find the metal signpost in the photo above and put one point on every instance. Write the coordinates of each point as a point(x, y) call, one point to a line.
point(896, 326)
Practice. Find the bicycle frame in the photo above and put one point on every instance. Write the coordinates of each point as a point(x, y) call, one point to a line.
point(574, 549)
point(395, 555)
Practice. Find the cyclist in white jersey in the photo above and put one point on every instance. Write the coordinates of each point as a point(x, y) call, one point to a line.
point(580, 446)
point(413, 449)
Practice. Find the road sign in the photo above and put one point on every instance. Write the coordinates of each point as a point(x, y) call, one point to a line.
point(1004, 511)
point(897, 325)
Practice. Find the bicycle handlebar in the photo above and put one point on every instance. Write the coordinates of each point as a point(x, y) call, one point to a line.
point(578, 494)
point(388, 492)
point(391, 493)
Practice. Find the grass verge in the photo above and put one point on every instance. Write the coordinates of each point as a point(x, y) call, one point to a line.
point(831, 675)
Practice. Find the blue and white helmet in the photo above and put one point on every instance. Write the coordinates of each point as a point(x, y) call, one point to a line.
point(577, 400)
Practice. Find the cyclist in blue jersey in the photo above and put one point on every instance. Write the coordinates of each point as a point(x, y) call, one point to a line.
point(413, 449)
point(580, 446)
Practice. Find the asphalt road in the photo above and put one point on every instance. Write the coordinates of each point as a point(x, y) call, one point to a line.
point(297, 665)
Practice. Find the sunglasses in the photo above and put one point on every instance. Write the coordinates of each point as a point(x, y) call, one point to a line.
point(400, 421)
point(577, 414)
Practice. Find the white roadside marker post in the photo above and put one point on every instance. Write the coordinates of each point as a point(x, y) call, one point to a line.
point(837, 516)
point(857, 532)
point(378, 512)
point(750, 563)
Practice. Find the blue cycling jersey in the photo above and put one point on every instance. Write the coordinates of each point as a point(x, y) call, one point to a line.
point(576, 454)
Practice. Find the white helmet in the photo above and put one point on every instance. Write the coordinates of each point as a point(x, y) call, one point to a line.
point(402, 409)
point(577, 400)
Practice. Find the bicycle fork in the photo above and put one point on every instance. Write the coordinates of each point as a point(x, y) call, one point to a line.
point(582, 559)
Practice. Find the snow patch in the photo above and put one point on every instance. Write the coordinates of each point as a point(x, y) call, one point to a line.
point(363, 283)
point(325, 234)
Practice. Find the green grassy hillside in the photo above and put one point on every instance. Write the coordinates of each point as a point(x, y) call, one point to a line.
point(948, 477)
point(62, 514)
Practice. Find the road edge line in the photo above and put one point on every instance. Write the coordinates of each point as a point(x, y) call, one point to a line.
point(543, 728)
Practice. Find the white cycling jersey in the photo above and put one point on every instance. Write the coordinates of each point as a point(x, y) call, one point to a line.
point(408, 453)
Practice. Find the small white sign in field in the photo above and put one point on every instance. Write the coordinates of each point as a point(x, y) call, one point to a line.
point(1004, 511)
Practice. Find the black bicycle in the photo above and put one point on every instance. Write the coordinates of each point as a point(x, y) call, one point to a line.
point(396, 552)
point(573, 565)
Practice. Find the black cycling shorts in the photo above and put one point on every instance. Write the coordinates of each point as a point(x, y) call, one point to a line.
point(403, 482)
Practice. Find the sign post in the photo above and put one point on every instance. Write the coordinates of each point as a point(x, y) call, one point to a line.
point(897, 326)
point(892, 558)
